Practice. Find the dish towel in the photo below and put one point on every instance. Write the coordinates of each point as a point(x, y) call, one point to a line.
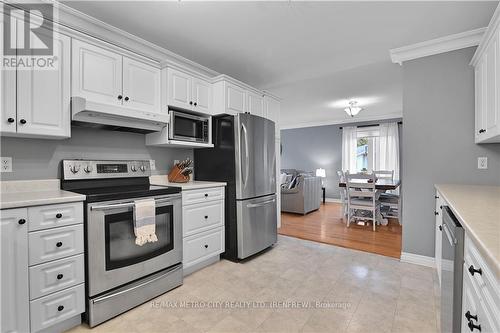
point(144, 221)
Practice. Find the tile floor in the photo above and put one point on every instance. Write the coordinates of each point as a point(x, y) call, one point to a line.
point(341, 290)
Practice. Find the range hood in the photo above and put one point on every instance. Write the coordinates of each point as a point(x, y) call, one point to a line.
point(99, 115)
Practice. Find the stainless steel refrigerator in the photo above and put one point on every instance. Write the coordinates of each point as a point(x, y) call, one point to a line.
point(244, 156)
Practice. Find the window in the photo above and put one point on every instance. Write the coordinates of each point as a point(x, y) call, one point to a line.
point(366, 148)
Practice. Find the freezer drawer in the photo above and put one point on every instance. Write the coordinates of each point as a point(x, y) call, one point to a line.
point(256, 225)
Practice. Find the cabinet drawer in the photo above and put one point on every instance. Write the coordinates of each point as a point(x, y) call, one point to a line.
point(45, 217)
point(202, 246)
point(55, 243)
point(487, 282)
point(52, 309)
point(56, 275)
point(202, 216)
point(202, 195)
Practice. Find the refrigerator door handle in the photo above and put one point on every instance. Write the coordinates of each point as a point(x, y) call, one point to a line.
point(247, 159)
point(260, 204)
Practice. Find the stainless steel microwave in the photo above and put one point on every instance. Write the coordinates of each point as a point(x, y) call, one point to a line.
point(189, 127)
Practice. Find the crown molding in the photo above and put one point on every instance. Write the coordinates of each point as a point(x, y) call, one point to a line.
point(493, 26)
point(437, 46)
point(341, 122)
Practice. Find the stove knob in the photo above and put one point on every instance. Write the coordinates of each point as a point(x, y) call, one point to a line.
point(143, 168)
point(133, 168)
point(88, 169)
point(74, 168)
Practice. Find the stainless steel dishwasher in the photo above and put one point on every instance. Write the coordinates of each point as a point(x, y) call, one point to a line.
point(451, 272)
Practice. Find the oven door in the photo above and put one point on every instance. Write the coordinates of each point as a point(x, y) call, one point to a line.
point(113, 258)
point(188, 127)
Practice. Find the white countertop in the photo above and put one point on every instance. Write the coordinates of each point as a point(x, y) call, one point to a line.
point(478, 210)
point(192, 185)
point(24, 193)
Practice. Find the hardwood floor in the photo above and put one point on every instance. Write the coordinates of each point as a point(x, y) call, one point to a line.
point(326, 225)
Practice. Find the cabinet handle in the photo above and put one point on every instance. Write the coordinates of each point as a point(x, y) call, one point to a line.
point(469, 316)
point(191, 103)
point(11, 120)
point(472, 270)
point(436, 197)
point(440, 207)
point(195, 104)
point(120, 97)
point(206, 246)
point(59, 276)
point(60, 308)
point(59, 244)
point(21, 221)
point(58, 215)
point(482, 130)
point(436, 213)
point(126, 99)
point(22, 121)
point(206, 195)
point(472, 326)
point(440, 228)
point(206, 217)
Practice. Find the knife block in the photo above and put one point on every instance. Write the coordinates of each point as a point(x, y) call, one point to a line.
point(175, 176)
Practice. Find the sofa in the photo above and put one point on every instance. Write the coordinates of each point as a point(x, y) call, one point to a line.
point(300, 192)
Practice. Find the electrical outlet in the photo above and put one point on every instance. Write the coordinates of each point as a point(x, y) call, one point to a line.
point(482, 162)
point(152, 165)
point(6, 164)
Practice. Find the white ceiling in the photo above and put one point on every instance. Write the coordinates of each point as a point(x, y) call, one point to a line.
point(311, 54)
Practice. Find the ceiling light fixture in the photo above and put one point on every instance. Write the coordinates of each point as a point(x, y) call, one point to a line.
point(353, 108)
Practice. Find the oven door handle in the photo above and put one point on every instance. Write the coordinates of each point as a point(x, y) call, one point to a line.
point(140, 285)
point(128, 204)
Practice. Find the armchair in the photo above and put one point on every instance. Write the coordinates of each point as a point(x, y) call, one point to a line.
point(304, 197)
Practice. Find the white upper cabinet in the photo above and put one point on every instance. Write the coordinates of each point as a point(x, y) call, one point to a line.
point(486, 63)
point(43, 96)
point(255, 104)
point(103, 76)
point(235, 99)
point(14, 263)
point(141, 85)
point(96, 74)
point(202, 95)
point(188, 92)
point(272, 108)
point(36, 102)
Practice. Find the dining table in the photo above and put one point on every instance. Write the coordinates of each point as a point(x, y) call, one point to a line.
point(381, 184)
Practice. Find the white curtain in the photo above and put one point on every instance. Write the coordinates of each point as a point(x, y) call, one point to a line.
point(349, 148)
point(387, 150)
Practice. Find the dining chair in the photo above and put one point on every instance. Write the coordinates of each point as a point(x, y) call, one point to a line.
point(343, 193)
point(361, 196)
point(390, 200)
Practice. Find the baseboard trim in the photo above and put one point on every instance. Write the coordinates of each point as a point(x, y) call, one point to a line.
point(333, 200)
point(417, 259)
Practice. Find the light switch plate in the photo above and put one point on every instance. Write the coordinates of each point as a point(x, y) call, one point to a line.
point(6, 164)
point(482, 162)
point(152, 165)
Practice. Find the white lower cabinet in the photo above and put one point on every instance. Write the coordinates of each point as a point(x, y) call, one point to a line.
point(481, 293)
point(438, 233)
point(43, 270)
point(203, 227)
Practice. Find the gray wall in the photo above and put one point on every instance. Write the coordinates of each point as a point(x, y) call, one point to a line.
point(438, 140)
point(40, 159)
point(310, 148)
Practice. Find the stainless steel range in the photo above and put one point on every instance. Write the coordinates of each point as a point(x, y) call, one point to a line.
point(119, 273)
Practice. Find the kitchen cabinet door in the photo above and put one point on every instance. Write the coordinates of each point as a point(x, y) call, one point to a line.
point(235, 99)
point(141, 86)
point(179, 89)
point(255, 104)
point(479, 76)
point(96, 73)
point(14, 263)
point(8, 118)
point(491, 112)
point(272, 108)
point(202, 96)
point(43, 96)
